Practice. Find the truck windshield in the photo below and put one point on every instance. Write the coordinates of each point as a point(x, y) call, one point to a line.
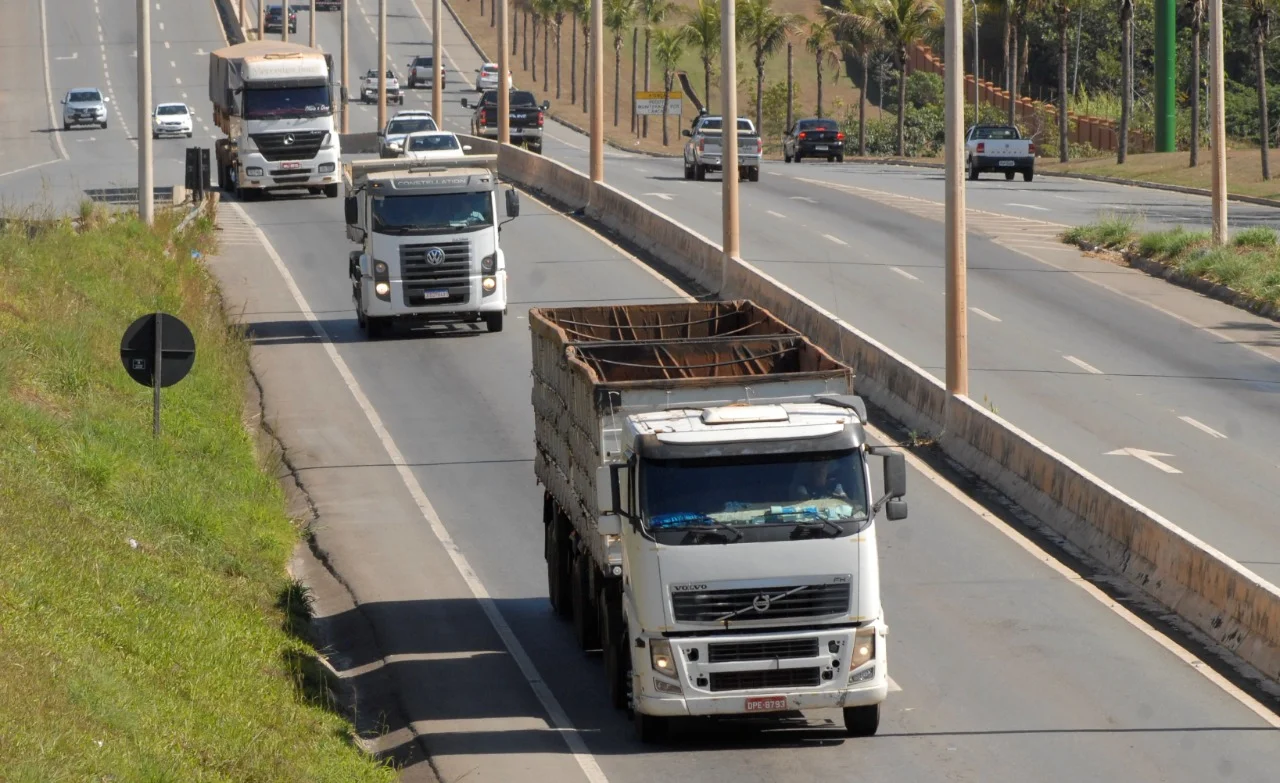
point(435, 213)
point(286, 102)
point(772, 489)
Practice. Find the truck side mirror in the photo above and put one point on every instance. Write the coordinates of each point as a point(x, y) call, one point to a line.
point(352, 210)
point(546, 105)
point(687, 133)
point(608, 492)
point(513, 203)
point(464, 104)
point(895, 483)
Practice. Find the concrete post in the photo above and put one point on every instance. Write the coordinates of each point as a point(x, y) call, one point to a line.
point(146, 181)
point(957, 330)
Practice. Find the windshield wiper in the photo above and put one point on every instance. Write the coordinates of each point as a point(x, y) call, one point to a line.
point(817, 525)
point(709, 526)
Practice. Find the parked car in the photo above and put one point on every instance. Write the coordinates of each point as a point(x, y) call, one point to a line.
point(369, 89)
point(171, 119)
point(702, 152)
point(813, 138)
point(84, 106)
point(420, 72)
point(999, 148)
point(525, 117)
point(488, 77)
point(433, 145)
point(391, 143)
point(274, 20)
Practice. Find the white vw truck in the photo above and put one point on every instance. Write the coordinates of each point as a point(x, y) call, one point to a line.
point(428, 236)
point(709, 518)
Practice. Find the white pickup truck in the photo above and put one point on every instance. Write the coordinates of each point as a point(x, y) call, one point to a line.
point(999, 148)
point(702, 151)
point(369, 88)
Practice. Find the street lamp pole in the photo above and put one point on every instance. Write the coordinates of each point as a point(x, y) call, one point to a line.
point(1218, 123)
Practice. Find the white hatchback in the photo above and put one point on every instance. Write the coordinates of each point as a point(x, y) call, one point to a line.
point(433, 145)
point(488, 78)
point(171, 119)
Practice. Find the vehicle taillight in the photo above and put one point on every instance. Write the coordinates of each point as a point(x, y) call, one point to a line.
point(840, 136)
point(702, 144)
point(1031, 148)
point(982, 147)
point(802, 134)
point(482, 116)
point(540, 118)
point(759, 146)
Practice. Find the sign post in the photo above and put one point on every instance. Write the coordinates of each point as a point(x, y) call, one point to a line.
point(157, 351)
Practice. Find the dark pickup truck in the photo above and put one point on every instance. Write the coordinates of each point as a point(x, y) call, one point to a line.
point(526, 118)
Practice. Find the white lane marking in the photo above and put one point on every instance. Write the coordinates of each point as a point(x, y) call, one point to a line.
point(1029, 206)
point(837, 240)
point(54, 125)
point(166, 45)
point(804, 198)
point(774, 173)
point(172, 64)
point(1205, 428)
point(1064, 198)
point(71, 56)
point(663, 196)
point(161, 26)
point(984, 314)
point(176, 80)
point(184, 97)
point(29, 168)
point(1082, 365)
point(555, 713)
point(904, 273)
point(777, 214)
point(1149, 457)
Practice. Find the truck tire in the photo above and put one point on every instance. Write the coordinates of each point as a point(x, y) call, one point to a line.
point(616, 651)
point(688, 171)
point(331, 191)
point(492, 321)
point(559, 586)
point(753, 174)
point(973, 171)
point(699, 172)
point(862, 721)
point(799, 157)
point(1027, 176)
point(585, 615)
point(650, 729)
point(535, 147)
point(1008, 176)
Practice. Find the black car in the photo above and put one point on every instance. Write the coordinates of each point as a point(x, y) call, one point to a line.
point(525, 117)
point(813, 138)
point(273, 23)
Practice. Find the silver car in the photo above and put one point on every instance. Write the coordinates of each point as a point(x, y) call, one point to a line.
point(84, 106)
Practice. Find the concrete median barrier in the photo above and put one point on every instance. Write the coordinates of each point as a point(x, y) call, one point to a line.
point(1203, 586)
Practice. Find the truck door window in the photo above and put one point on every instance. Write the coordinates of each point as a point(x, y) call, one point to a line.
point(436, 213)
point(286, 102)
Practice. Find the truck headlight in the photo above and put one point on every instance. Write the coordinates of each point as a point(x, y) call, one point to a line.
point(382, 289)
point(864, 647)
point(489, 284)
point(380, 267)
point(253, 171)
point(661, 658)
point(326, 168)
point(489, 263)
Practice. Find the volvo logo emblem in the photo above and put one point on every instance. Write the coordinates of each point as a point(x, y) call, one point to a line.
point(435, 256)
point(289, 140)
point(761, 603)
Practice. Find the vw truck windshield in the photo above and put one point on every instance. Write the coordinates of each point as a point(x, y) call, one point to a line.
point(435, 213)
point(286, 102)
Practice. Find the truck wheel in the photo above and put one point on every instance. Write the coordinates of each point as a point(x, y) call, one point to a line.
point(492, 321)
point(1008, 176)
point(1027, 176)
point(559, 586)
point(616, 653)
point(331, 191)
point(973, 171)
point(862, 721)
point(839, 159)
point(753, 174)
point(650, 729)
point(786, 158)
point(699, 172)
point(585, 616)
point(688, 171)
point(799, 157)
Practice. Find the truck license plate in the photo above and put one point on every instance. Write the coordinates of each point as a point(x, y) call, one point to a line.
point(821, 147)
point(291, 164)
point(1006, 163)
point(766, 703)
point(438, 293)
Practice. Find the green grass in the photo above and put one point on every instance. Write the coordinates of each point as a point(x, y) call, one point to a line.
point(141, 626)
point(1250, 264)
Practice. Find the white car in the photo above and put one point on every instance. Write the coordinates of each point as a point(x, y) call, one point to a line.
point(488, 78)
point(432, 145)
point(171, 119)
point(400, 126)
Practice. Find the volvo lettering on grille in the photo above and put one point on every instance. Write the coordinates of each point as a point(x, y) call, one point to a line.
point(435, 256)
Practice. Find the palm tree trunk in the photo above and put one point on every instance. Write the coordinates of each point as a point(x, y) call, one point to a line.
point(902, 101)
point(1194, 89)
point(818, 63)
point(706, 78)
point(493, 13)
point(1008, 26)
point(759, 94)
point(1064, 98)
point(617, 75)
point(862, 107)
point(546, 54)
point(1264, 122)
point(524, 40)
point(666, 90)
point(1126, 82)
point(535, 49)
point(482, 8)
point(586, 65)
point(1011, 73)
point(559, 30)
point(573, 64)
point(644, 121)
point(515, 39)
point(635, 55)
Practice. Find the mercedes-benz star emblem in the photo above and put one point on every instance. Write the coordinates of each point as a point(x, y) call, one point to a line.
point(289, 140)
point(435, 256)
point(761, 603)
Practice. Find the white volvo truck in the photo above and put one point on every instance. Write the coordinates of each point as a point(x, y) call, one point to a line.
point(274, 102)
point(708, 510)
point(428, 236)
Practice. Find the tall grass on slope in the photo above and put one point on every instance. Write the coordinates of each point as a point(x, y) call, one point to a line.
point(138, 577)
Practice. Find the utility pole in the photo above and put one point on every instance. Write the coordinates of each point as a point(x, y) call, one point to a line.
point(284, 20)
point(729, 133)
point(957, 333)
point(1166, 75)
point(504, 67)
point(146, 182)
point(312, 20)
point(241, 16)
point(597, 91)
point(1218, 123)
point(382, 63)
point(437, 63)
point(345, 95)
point(262, 17)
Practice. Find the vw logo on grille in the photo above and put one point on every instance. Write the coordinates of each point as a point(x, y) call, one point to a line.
point(435, 256)
point(289, 140)
point(761, 603)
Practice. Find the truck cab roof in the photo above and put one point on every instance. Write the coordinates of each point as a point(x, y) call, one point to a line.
point(757, 428)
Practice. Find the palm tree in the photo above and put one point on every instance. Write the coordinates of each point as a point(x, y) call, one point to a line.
point(578, 9)
point(618, 16)
point(635, 49)
point(1197, 9)
point(652, 14)
point(669, 48)
point(1062, 12)
point(764, 30)
point(1260, 25)
point(702, 32)
point(860, 38)
point(824, 47)
point(560, 8)
point(1017, 56)
point(534, 12)
point(586, 59)
point(1126, 78)
point(901, 23)
point(547, 10)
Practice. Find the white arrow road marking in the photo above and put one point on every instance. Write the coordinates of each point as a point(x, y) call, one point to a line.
point(200, 52)
point(984, 314)
point(837, 240)
point(1148, 457)
point(71, 56)
point(1029, 206)
point(1205, 428)
point(777, 214)
point(803, 198)
point(1083, 365)
point(907, 275)
point(663, 196)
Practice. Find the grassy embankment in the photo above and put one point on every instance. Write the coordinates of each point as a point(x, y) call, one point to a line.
point(141, 626)
point(1250, 264)
point(1244, 171)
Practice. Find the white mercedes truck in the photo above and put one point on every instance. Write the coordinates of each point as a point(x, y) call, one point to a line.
point(274, 102)
point(428, 236)
point(709, 518)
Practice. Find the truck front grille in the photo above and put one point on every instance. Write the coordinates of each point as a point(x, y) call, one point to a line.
point(292, 145)
point(765, 680)
point(772, 603)
point(729, 652)
point(422, 264)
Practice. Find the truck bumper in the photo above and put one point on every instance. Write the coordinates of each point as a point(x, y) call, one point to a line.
point(828, 683)
point(258, 172)
point(715, 162)
point(411, 302)
point(986, 163)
